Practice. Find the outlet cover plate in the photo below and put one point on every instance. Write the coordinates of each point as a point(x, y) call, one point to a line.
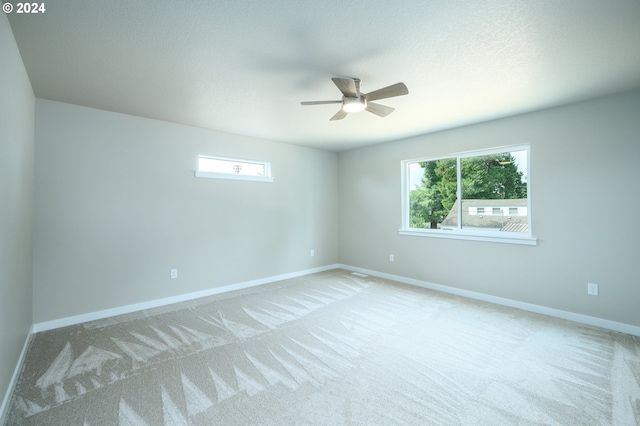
point(592, 289)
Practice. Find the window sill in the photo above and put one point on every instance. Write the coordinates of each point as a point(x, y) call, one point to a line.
point(233, 177)
point(509, 238)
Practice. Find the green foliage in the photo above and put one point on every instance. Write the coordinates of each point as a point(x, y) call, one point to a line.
point(492, 177)
point(431, 203)
point(486, 177)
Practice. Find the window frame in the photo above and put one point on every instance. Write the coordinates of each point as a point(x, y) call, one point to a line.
point(461, 233)
point(235, 176)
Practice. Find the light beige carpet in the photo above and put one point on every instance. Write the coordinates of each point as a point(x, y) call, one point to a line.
point(329, 349)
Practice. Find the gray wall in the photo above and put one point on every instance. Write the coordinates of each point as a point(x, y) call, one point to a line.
point(585, 172)
point(16, 203)
point(118, 206)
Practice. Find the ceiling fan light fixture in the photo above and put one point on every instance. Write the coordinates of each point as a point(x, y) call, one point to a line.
point(353, 104)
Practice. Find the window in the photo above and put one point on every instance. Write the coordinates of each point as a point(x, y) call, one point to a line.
point(482, 195)
point(233, 168)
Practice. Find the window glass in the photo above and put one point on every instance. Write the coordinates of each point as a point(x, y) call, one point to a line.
point(236, 167)
point(232, 168)
point(485, 191)
point(433, 192)
point(496, 181)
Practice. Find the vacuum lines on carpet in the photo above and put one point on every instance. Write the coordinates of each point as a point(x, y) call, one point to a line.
point(329, 348)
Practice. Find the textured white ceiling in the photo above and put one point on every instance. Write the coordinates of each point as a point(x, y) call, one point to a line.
point(243, 66)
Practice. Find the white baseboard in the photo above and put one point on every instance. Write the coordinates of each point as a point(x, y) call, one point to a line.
point(583, 319)
point(14, 378)
point(92, 316)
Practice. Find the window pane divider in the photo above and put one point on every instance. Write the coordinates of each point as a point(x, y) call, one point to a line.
point(459, 190)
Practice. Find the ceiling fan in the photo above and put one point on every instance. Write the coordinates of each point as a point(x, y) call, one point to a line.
point(354, 101)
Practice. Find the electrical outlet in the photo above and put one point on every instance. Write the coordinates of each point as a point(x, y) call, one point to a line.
point(592, 289)
point(312, 253)
point(174, 274)
point(392, 258)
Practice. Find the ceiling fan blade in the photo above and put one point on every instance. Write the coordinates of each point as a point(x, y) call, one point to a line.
point(377, 109)
point(319, 102)
point(347, 86)
point(339, 115)
point(397, 89)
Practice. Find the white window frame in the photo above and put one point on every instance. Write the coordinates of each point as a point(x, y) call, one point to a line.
point(236, 176)
point(462, 233)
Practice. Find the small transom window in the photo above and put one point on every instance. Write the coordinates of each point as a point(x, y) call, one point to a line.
point(233, 168)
